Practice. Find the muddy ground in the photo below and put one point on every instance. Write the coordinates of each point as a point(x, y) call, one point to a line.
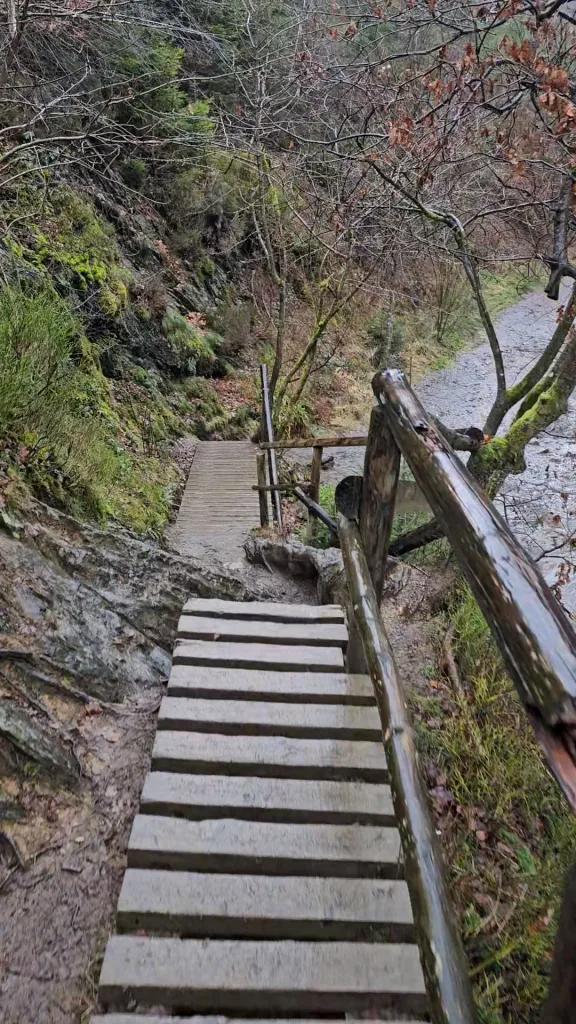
point(87, 622)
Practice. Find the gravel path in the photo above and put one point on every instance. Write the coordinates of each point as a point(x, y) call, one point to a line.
point(461, 395)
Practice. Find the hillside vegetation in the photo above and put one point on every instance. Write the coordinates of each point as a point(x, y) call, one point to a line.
point(161, 228)
point(191, 187)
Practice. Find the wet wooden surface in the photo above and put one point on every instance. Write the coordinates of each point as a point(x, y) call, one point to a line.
point(266, 845)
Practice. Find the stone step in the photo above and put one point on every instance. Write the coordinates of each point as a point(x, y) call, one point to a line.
point(307, 634)
point(230, 846)
point(267, 656)
point(270, 977)
point(269, 756)
point(282, 800)
point(254, 684)
point(263, 907)
point(259, 718)
point(265, 611)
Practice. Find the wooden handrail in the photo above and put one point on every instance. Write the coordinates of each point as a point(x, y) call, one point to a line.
point(534, 635)
point(441, 952)
point(318, 442)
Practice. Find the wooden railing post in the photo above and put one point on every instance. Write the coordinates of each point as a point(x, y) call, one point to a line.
point(269, 432)
point(262, 492)
point(379, 486)
point(315, 469)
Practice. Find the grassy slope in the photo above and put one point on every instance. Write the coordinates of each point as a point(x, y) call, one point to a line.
point(507, 832)
point(507, 829)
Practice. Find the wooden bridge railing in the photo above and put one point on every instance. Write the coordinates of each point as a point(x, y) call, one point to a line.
point(534, 635)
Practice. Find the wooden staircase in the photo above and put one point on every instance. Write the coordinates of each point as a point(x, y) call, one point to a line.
point(264, 869)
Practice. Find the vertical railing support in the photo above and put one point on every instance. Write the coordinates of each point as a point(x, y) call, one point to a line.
point(269, 432)
point(262, 493)
point(315, 469)
point(378, 498)
point(380, 482)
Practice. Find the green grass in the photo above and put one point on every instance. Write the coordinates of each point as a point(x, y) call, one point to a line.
point(507, 830)
point(323, 537)
point(433, 554)
point(62, 429)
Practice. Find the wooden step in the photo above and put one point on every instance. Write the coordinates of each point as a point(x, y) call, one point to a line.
point(138, 1018)
point(230, 846)
point(270, 977)
point(259, 906)
point(259, 718)
point(254, 684)
point(281, 658)
point(282, 800)
point(265, 611)
point(307, 634)
point(269, 756)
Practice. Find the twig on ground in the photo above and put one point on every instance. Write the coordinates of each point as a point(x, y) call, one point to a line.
point(449, 662)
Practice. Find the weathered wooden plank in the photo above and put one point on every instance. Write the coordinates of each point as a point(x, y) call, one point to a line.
point(259, 906)
point(137, 1018)
point(315, 471)
point(259, 718)
point(230, 846)
point(379, 485)
point(284, 800)
point(266, 611)
point(262, 496)
point(307, 634)
point(445, 971)
point(535, 636)
point(356, 441)
point(278, 657)
point(254, 684)
point(271, 977)
point(276, 757)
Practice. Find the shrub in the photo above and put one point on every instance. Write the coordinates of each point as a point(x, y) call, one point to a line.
point(48, 402)
point(189, 342)
point(134, 172)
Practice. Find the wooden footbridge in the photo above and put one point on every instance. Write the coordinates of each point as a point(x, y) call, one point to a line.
point(283, 864)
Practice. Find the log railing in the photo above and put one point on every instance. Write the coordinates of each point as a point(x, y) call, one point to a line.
point(535, 637)
point(441, 951)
